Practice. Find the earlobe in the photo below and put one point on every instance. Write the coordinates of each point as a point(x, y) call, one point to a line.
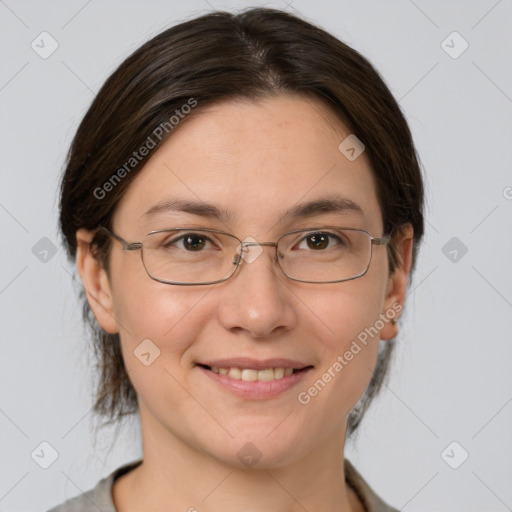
point(397, 283)
point(95, 280)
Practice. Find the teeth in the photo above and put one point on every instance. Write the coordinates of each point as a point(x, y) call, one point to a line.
point(235, 373)
point(250, 375)
point(278, 373)
point(266, 375)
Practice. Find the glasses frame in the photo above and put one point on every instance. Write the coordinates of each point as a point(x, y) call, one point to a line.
point(237, 259)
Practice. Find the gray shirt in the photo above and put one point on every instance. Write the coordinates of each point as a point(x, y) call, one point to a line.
point(100, 498)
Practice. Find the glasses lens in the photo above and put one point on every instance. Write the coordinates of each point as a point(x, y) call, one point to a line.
point(325, 255)
point(189, 256)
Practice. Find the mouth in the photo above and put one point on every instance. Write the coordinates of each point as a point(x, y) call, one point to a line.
point(252, 375)
point(251, 379)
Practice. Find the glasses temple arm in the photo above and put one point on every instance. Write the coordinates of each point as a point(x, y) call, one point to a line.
point(383, 240)
point(127, 246)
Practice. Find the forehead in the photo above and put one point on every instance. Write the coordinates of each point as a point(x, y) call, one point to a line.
point(254, 161)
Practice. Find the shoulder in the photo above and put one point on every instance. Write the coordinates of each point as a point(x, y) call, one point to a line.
point(97, 498)
point(92, 500)
point(371, 501)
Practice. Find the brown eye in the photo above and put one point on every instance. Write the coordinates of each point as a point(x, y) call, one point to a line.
point(191, 242)
point(319, 241)
point(194, 242)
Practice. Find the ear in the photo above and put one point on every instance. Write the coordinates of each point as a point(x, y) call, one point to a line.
point(96, 283)
point(397, 284)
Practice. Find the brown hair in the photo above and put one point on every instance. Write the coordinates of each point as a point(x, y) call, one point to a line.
point(218, 57)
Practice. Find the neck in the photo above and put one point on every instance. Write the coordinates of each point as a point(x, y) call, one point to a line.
point(175, 474)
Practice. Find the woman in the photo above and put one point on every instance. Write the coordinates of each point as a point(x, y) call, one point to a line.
point(244, 204)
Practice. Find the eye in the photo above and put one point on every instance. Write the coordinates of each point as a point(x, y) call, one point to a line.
point(192, 242)
point(319, 241)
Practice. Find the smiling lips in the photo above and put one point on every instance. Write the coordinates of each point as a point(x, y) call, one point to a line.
point(251, 375)
point(253, 378)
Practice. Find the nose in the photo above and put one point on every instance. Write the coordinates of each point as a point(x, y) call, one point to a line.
point(257, 299)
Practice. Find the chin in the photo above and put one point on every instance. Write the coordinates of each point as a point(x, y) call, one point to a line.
point(258, 450)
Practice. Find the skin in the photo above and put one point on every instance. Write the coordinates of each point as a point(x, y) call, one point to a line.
point(256, 159)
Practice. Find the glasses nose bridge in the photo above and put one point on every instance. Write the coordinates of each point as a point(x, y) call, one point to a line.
point(258, 244)
point(239, 259)
point(247, 244)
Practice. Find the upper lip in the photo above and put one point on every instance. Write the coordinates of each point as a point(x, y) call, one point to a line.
point(254, 364)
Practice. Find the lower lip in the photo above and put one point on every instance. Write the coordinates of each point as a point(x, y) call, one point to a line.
point(256, 389)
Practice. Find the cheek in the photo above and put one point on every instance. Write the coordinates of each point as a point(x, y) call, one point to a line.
point(348, 318)
point(344, 311)
point(166, 315)
point(159, 326)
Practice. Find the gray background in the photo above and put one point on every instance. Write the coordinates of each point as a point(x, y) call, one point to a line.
point(451, 378)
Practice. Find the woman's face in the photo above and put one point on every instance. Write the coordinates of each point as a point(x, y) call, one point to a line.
point(252, 162)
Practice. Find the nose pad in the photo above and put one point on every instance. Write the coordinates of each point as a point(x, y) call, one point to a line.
point(249, 250)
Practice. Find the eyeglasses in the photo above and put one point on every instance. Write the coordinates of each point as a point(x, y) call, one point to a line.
point(188, 256)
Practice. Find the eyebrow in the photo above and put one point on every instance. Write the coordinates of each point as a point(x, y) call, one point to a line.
point(336, 204)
